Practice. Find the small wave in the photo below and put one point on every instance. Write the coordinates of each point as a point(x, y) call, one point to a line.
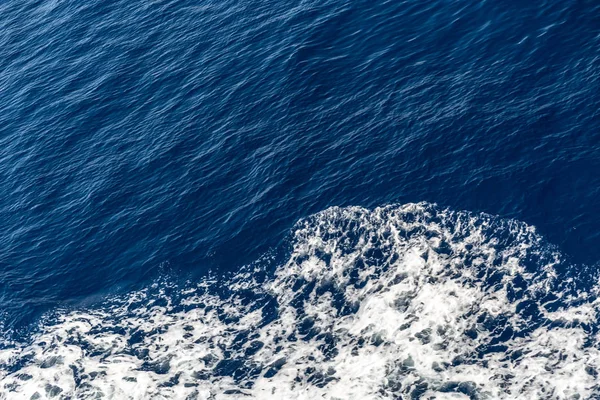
point(410, 302)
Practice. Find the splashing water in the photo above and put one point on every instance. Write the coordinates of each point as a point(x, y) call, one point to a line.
point(407, 302)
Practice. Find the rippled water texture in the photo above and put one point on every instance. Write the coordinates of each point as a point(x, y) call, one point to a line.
point(153, 147)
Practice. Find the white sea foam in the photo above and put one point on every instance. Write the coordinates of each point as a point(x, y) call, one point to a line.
point(400, 302)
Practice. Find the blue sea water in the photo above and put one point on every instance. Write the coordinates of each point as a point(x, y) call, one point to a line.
point(278, 156)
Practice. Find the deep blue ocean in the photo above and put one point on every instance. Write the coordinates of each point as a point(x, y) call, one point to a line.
point(299, 199)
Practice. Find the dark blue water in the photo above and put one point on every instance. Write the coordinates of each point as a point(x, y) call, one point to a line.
point(145, 140)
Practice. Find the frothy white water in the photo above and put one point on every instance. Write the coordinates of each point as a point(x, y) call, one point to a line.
point(401, 302)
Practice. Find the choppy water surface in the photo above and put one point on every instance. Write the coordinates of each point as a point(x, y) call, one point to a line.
point(338, 200)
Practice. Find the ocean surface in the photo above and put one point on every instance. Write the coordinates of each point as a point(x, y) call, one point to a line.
point(299, 199)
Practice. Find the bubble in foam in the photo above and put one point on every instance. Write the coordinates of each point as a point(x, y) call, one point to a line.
point(404, 302)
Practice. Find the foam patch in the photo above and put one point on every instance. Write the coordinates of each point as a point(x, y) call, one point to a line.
point(399, 302)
